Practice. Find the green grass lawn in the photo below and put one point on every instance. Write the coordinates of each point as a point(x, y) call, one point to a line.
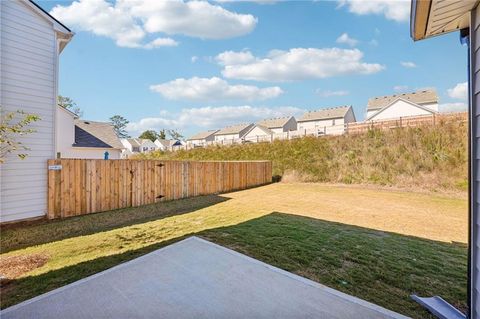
point(378, 245)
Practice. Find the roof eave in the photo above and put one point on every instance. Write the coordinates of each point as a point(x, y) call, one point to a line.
point(321, 119)
point(419, 13)
point(58, 26)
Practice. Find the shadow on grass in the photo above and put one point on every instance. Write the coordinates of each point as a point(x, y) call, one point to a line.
point(381, 267)
point(45, 231)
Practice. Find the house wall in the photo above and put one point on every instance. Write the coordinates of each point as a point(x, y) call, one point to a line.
point(226, 137)
point(370, 113)
point(126, 144)
point(432, 106)
point(28, 72)
point(147, 146)
point(277, 130)
point(350, 116)
point(320, 124)
point(256, 131)
point(66, 131)
point(291, 125)
point(195, 142)
point(399, 109)
point(92, 153)
point(474, 95)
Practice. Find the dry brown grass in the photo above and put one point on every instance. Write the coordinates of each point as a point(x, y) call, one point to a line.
point(428, 157)
point(12, 267)
point(424, 215)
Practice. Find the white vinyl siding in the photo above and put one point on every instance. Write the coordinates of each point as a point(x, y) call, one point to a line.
point(399, 109)
point(226, 137)
point(28, 59)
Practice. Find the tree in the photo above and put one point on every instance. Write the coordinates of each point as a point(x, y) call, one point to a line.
point(14, 125)
point(69, 104)
point(150, 135)
point(162, 135)
point(119, 125)
point(175, 135)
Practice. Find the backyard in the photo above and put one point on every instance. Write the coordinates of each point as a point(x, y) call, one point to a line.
point(377, 244)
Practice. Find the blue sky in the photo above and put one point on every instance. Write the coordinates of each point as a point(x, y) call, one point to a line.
point(203, 65)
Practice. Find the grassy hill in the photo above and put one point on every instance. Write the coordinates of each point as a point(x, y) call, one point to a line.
point(429, 157)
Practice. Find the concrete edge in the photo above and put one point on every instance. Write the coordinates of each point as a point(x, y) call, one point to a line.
point(309, 282)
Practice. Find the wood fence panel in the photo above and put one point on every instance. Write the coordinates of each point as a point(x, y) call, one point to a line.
point(80, 186)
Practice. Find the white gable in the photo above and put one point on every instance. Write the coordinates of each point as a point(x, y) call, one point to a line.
point(400, 108)
point(257, 131)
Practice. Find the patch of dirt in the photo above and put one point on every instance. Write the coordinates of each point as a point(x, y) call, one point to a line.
point(12, 267)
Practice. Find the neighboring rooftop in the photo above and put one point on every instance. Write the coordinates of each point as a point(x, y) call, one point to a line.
point(234, 129)
point(418, 97)
point(265, 129)
point(133, 142)
point(203, 135)
point(95, 134)
point(325, 114)
point(274, 122)
point(168, 143)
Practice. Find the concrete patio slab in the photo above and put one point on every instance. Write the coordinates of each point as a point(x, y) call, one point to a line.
point(194, 278)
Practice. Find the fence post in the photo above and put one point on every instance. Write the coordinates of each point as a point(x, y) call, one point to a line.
point(400, 121)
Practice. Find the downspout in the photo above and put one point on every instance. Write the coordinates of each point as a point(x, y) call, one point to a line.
point(465, 39)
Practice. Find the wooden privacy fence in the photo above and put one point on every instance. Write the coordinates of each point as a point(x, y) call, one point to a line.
point(83, 186)
point(406, 121)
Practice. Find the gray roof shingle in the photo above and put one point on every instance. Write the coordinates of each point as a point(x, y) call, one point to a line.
point(202, 135)
point(325, 114)
point(95, 134)
point(418, 97)
point(274, 122)
point(234, 129)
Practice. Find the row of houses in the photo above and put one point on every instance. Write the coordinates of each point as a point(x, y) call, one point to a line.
point(133, 146)
point(327, 121)
point(77, 138)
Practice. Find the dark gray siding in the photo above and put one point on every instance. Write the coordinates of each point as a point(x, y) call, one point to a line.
point(475, 159)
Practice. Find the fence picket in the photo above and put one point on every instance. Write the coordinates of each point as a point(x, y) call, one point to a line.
point(88, 186)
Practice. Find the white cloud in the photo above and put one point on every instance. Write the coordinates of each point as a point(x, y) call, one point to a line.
point(210, 117)
point(328, 93)
point(397, 10)
point(459, 91)
point(408, 64)
point(161, 42)
point(194, 59)
point(129, 23)
point(253, 1)
point(452, 107)
point(295, 64)
point(400, 88)
point(345, 38)
point(232, 57)
point(213, 89)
